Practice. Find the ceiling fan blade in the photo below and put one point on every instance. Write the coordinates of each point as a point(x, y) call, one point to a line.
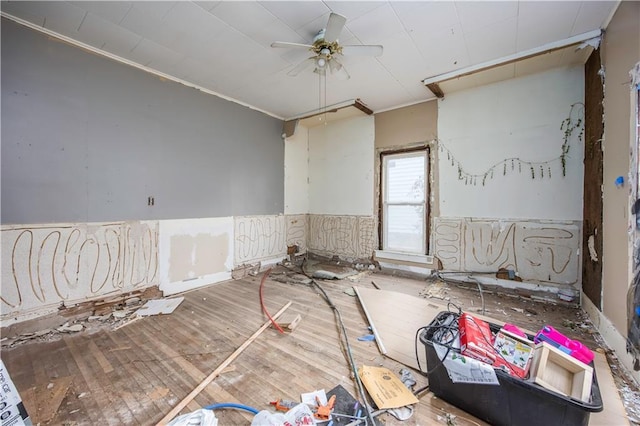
point(287, 44)
point(301, 66)
point(334, 27)
point(337, 69)
point(362, 50)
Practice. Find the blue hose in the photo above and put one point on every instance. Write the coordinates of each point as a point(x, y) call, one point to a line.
point(231, 405)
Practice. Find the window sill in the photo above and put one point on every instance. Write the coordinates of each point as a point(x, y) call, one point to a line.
point(421, 259)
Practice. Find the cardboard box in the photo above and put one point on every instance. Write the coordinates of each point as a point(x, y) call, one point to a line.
point(12, 411)
point(515, 353)
point(561, 373)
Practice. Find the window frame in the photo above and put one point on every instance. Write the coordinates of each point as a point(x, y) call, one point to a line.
point(382, 204)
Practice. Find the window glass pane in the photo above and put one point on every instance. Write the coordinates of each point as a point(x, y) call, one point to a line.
point(405, 179)
point(405, 231)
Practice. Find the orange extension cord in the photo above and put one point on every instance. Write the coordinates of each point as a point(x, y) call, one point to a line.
point(264, 308)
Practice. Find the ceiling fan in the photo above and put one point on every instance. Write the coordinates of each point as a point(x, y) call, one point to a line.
point(326, 47)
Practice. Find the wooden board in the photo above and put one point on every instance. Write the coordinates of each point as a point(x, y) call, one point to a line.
point(613, 413)
point(394, 319)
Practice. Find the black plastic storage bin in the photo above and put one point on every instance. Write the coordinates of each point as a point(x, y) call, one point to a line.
point(514, 402)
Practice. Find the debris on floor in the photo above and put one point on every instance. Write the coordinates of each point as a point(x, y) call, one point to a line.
point(386, 390)
point(85, 316)
point(159, 307)
point(42, 403)
point(289, 322)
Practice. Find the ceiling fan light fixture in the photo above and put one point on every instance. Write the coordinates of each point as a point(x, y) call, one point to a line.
point(321, 62)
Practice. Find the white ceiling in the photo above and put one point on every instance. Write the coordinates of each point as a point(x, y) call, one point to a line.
point(224, 46)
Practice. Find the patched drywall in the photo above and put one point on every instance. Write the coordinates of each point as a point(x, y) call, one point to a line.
point(341, 158)
point(194, 252)
point(405, 126)
point(44, 266)
point(194, 256)
point(544, 252)
point(500, 149)
point(351, 237)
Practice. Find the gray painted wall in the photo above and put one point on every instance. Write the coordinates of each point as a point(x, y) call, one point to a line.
point(87, 139)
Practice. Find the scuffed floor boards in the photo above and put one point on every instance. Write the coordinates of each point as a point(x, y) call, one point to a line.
point(42, 402)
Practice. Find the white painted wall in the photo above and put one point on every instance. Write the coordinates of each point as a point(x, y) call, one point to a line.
point(341, 158)
point(296, 172)
point(515, 118)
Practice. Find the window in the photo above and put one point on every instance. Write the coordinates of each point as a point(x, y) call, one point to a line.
point(404, 201)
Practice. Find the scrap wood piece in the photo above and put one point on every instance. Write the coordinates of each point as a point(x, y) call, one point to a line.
point(159, 306)
point(176, 410)
point(289, 322)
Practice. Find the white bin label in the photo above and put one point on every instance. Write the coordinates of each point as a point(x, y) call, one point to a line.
point(463, 369)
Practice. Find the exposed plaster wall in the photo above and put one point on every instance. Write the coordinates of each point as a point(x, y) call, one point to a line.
point(621, 50)
point(542, 252)
point(297, 225)
point(518, 118)
point(259, 238)
point(351, 237)
point(44, 266)
point(529, 223)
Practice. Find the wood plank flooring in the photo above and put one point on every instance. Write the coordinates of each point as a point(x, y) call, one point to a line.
point(138, 373)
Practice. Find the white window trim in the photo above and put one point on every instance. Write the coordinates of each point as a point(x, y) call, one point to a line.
point(405, 255)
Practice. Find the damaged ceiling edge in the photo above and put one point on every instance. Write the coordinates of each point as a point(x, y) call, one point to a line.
point(591, 38)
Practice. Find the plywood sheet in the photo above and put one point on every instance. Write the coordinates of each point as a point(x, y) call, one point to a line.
point(394, 318)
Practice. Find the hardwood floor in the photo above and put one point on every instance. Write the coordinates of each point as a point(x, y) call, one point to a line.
point(138, 373)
